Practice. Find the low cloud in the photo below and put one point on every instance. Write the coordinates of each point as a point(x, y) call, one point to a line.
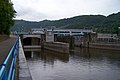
point(36, 10)
point(30, 15)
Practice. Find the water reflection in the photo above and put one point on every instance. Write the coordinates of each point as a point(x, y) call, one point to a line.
point(79, 64)
point(46, 56)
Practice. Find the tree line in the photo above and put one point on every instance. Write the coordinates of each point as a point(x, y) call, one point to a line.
point(99, 23)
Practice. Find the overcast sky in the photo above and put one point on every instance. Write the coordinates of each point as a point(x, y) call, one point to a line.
point(37, 10)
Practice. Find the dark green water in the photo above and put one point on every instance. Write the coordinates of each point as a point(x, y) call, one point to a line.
point(79, 64)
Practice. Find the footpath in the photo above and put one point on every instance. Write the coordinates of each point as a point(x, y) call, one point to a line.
point(5, 47)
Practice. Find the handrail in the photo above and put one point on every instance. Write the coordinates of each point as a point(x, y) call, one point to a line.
point(9, 74)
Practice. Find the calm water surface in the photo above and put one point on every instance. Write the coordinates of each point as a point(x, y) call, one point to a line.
point(79, 64)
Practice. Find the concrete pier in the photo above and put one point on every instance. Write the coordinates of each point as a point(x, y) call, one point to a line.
point(24, 73)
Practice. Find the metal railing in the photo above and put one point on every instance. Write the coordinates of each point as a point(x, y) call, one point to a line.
point(7, 68)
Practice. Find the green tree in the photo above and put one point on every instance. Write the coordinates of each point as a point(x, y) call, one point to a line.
point(7, 13)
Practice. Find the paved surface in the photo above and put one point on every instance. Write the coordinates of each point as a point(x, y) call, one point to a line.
point(5, 47)
point(3, 37)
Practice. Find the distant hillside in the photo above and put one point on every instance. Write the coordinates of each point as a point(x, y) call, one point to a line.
point(98, 23)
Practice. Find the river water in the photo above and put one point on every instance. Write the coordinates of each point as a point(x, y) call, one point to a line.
point(79, 64)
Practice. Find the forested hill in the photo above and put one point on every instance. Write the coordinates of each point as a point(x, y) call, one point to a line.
point(99, 23)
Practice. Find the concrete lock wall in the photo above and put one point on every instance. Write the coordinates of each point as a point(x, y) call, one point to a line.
point(57, 46)
point(105, 46)
point(24, 72)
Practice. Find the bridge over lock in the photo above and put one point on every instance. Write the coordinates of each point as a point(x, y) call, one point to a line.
point(32, 40)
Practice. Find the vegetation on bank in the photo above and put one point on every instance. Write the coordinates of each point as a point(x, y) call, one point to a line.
point(99, 23)
point(7, 13)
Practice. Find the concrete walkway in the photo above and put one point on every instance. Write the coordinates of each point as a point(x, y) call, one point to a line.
point(5, 47)
point(24, 73)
